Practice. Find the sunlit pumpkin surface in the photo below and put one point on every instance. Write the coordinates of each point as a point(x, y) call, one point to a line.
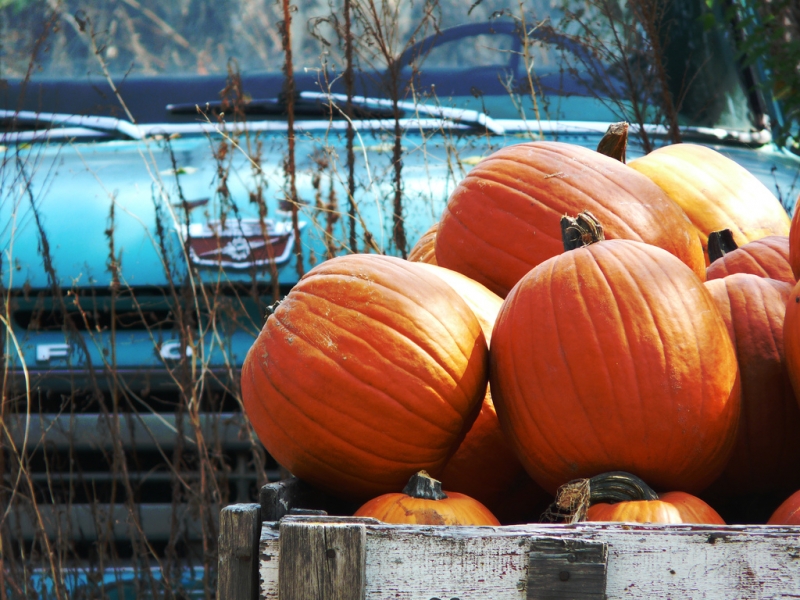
point(456, 509)
point(614, 357)
point(503, 218)
point(672, 507)
point(369, 370)
point(715, 192)
point(767, 257)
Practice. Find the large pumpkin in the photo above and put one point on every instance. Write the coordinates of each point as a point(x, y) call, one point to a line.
point(791, 338)
point(620, 496)
point(485, 467)
point(766, 257)
point(423, 502)
point(767, 449)
point(715, 192)
point(794, 240)
point(368, 371)
point(614, 356)
point(503, 218)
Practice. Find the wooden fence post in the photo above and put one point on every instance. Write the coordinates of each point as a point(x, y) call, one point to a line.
point(239, 533)
point(323, 560)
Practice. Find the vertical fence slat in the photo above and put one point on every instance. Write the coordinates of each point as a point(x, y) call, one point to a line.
point(322, 561)
point(239, 532)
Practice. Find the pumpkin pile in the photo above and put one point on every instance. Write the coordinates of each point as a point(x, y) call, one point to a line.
point(573, 327)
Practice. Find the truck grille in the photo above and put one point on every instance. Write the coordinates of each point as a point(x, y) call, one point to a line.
point(122, 437)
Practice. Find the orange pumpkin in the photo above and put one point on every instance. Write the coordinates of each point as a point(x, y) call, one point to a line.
point(423, 502)
point(424, 250)
point(369, 370)
point(503, 218)
point(614, 356)
point(485, 467)
point(715, 192)
point(794, 240)
point(788, 513)
point(483, 302)
point(767, 449)
point(767, 257)
point(791, 338)
point(620, 496)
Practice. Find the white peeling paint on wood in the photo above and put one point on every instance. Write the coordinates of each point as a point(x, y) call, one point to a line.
point(644, 561)
point(268, 561)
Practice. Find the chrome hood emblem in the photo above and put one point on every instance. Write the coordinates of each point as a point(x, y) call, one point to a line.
point(240, 243)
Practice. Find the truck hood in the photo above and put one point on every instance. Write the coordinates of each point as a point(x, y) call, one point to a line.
point(81, 214)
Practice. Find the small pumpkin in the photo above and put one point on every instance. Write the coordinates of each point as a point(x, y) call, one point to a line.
point(422, 502)
point(503, 218)
point(621, 496)
point(614, 356)
point(788, 513)
point(369, 370)
point(766, 257)
point(424, 250)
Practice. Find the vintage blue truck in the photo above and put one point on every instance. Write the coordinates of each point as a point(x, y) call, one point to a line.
point(152, 209)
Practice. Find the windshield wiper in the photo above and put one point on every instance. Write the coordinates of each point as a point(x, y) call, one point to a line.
point(28, 126)
point(306, 105)
point(464, 116)
point(727, 136)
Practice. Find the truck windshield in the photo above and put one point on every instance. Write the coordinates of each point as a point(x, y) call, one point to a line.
point(645, 61)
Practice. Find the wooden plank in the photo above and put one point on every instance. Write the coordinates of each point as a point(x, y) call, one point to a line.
point(644, 561)
point(280, 498)
point(322, 559)
point(239, 527)
point(565, 569)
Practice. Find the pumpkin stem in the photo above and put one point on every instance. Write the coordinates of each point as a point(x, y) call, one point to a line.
point(720, 243)
point(615, 141)
point(571, 503)
point(273, 307)
point(423, 486)
point(573, 499)
point(618, 486)
point(580, 231)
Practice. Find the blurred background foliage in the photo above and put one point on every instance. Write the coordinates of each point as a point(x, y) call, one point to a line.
point(771, 42)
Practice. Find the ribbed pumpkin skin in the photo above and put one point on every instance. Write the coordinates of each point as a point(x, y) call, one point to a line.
point(485, 304)
point(715, 192)
point(767, 449)
point(791, 338)
point(788, 513)
point(424, 250)
point(485, 467)
point(614, 357)
point(767, 257)
point(794, 241)
point(672, 507)
point(369, 370)
point(456, 509)
point(503, 218)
